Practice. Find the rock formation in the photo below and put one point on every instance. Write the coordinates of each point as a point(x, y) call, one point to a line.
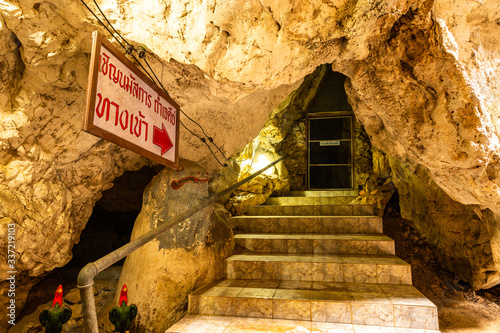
point(162, 274)
point(423, 80)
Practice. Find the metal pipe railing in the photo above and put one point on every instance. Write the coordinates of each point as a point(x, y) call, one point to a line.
point(86, 276)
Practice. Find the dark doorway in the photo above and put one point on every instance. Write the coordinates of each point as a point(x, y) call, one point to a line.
point(330, 128)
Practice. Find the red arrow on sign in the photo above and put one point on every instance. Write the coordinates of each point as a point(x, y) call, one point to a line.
point(161, 139)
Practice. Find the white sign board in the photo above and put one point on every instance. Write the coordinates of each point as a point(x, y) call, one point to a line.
point(125, 107)
point(329, 143)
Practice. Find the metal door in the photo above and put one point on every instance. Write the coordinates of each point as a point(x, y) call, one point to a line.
point(330, 153)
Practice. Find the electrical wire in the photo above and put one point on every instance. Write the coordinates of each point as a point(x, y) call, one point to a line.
point(112, 27)
point(129, 48)
point(204, 141)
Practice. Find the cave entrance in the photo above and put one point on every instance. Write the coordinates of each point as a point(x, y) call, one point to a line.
point(110, 225)
point(330, 137)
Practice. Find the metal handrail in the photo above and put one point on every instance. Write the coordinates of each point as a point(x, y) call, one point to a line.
point(86, 276)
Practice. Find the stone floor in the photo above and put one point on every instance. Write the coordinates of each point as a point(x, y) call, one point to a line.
point(311, 264)
point(224, 324)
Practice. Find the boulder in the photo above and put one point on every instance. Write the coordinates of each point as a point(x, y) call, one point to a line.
point(161, 274)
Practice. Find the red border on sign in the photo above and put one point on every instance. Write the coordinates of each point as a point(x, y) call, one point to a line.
point(88, 125)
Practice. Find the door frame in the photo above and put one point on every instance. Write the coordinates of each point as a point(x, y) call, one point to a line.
point(332, 114)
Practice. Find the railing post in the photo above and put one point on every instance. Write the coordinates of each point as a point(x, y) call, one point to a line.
point(85, 283)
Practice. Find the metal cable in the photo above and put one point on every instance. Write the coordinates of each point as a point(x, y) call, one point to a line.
point(130, 47)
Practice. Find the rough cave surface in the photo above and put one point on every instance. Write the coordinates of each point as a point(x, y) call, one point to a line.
point(161, 274)
point(423, 80)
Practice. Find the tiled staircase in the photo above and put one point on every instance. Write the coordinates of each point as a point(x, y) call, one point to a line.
point(311, 263)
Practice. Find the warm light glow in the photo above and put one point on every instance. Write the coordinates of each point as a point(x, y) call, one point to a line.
point(258, 162)
point(261, 162)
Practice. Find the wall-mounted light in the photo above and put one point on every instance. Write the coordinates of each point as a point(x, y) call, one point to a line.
point(257, 162)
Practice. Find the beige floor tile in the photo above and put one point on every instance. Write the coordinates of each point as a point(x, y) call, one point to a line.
point(215, 325)
point(364, 288)
point(290, 326)
point(271, 284)
point(299, 285)
point(331, 246)
point(267, 270)
point(381, 247)
point(329, 295)
point(388, 260)
point(248, 325)
point(335, 312)
point(342, 210)
point(257, 293)
point(400, 289)
point(223, 291)
point(299, 246)
point(181, 324)
point(296, 310)
point(292, 294)
point(279, 245)
point(416, 300)
point(327, 272)
point(394, 274)
point(373, 329)
point(372, 314)
point(331, 328)
point(370, 225)
point(360, 273)
point(415, 330)
point(297, 271)
point(333, 286)
point(254, 307)
point(333, 258)
point(354, 246)
point(291, 257)
point(240, 270)
point(357, 259)
point(416, 317)
point(194, 304)
point(218, 306)
point(259, 245)
point(366, 297)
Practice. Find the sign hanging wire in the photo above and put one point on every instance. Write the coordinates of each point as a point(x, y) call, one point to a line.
point(129, 49)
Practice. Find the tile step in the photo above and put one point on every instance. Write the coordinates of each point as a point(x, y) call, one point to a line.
point(286, 201)
point(338, 193)
point(361, 304)
point(317, 243)
point(192, 323)
point(311, 210)
point(386, 269)
point(309, 224)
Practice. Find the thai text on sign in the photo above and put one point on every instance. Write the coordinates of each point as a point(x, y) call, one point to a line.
point(125, 107)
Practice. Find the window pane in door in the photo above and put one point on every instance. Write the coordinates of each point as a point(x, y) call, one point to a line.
point(330, 128)
point(330, 154)
point(330, 177)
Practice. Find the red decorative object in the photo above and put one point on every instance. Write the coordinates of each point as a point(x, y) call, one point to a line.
point(177, 184)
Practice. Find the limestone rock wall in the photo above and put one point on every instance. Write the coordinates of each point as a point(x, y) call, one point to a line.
point(161, 274)
point(429, 94)
point(425, 106)
point(458, 232)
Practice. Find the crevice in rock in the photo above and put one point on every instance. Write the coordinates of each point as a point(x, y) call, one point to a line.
point(108, 228)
